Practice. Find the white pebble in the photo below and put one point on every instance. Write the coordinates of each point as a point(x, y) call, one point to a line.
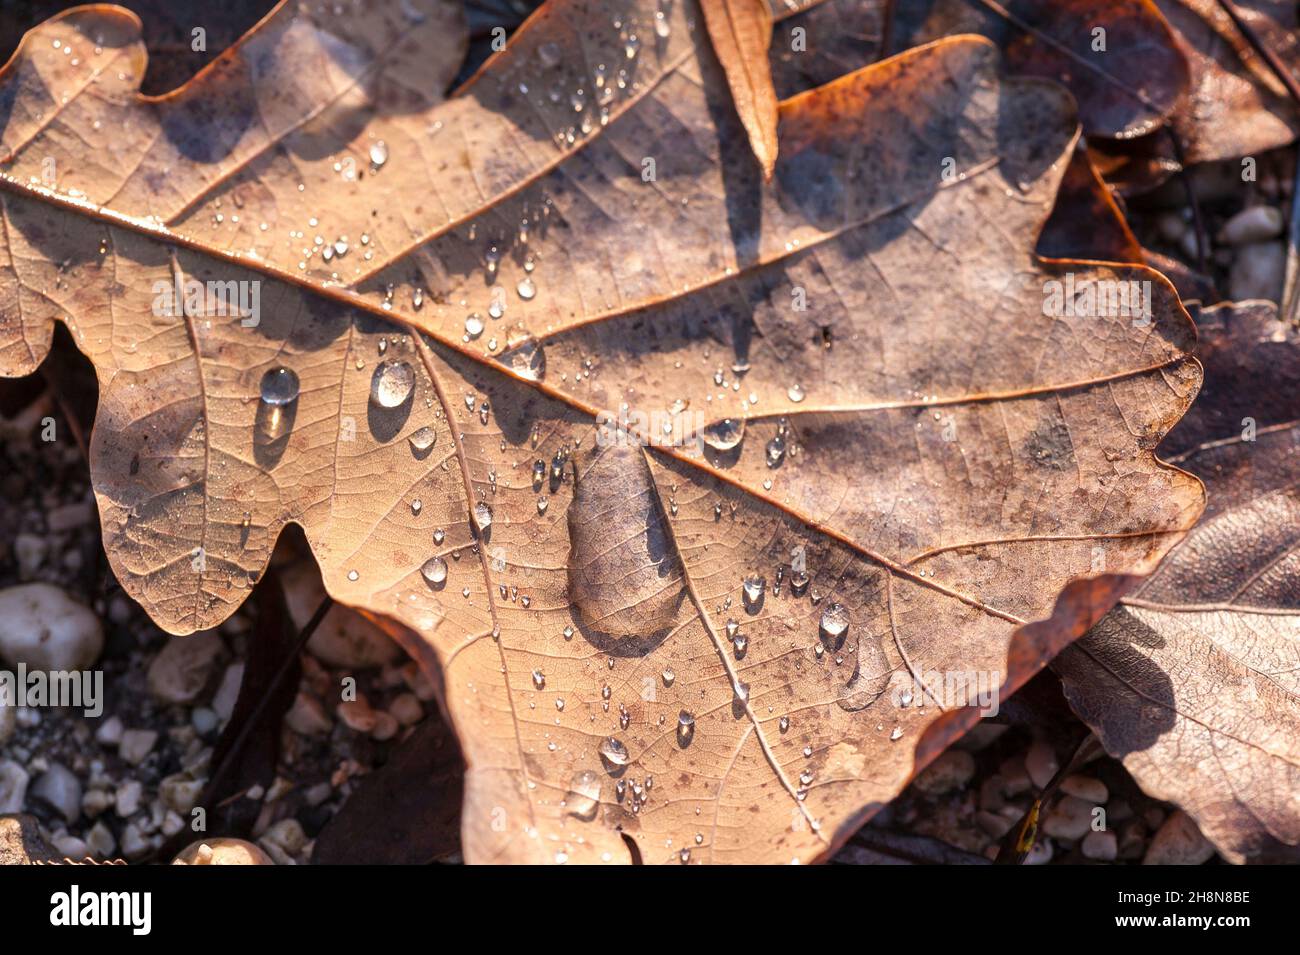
point(45, 629)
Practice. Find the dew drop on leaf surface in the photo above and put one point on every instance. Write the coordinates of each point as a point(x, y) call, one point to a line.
point(279, 387)
point(391, 384)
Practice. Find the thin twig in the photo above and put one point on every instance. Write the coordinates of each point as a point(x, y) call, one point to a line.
point(289, 659)
point(1198, 221)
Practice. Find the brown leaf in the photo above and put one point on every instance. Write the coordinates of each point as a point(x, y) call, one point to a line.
point(407, 812)
point(1236, 105)
point(1127, 79)
point(942, 456)
point(741, 31)
point(838, 37)
point(1193, 680)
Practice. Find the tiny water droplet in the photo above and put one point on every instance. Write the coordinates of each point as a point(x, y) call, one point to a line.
point(378, 152)
point(539, 679)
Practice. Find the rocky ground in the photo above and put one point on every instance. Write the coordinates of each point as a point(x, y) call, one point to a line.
point(124, 785)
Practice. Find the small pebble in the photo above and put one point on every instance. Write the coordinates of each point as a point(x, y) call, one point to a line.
point(1041, 764)
point(1253, 224)
point(1257, 272)
point(1178, 842)
point(1102, 846)
point(45, 629)
point(1086, 788)
point(59, 787)
point(136, 745)
point(13, 786)
point(184, 666)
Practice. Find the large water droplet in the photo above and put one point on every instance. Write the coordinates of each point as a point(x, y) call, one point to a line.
point(391, 384)
point(835, 621)
point(775, 451)
point(279, 387)
point(613, 752)
point(527, 358)
point(685, 727)
point(584, 795)
point(423, 439)
point(435, 571)
point(724, 435)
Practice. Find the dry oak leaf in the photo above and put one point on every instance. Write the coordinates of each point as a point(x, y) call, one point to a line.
point(1118, 57)
point(1236, 105)
point(741, 31)
point(719, 650)
point(1195, 680)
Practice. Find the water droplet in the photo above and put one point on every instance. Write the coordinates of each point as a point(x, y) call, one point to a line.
point(482, 516)
point(835, 620)
point(526, 288)
point(392, 384)
point(539, 679)
point(613, 752)
point(435, 571)
point(897, 734)
point(423, 439)
point(541, 505)
point(353, 575)
point(783, 723)
point(584, 795)
point(527, 358)
point(724, 435)
point(549, 54)
point(752, 590)
point(416, 506)
point(732, 629)
point(439, 536)
point(669, 676)
point(474, 325)
point(378, 153)
point(685, 727)
point(798, 582)
point(539, 473)
point(279, 387)
point(775, 451)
